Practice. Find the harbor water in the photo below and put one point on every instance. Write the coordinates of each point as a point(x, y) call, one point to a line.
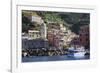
point(53, 58)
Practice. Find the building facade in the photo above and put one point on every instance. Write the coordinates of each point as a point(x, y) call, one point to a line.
point(84, 36)
point(34, 34)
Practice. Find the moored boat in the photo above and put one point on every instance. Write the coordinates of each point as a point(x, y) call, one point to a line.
point(77, 52)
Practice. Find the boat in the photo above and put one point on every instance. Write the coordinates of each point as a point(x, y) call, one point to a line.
point(78, 52)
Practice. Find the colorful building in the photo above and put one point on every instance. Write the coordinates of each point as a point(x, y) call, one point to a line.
point(50, 37)
point(34, 34)
point(84, 36)
point(75, 41)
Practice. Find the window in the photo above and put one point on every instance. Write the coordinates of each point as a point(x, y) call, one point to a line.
point(80, 39)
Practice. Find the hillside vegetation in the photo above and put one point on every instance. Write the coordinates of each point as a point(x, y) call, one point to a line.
point(73, 21)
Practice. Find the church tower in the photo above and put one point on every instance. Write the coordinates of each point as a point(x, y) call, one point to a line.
point(43, 31)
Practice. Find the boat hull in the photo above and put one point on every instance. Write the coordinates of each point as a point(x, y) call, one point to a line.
point(79, 54)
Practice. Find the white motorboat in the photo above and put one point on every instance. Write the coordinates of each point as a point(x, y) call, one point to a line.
point(77, 52)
